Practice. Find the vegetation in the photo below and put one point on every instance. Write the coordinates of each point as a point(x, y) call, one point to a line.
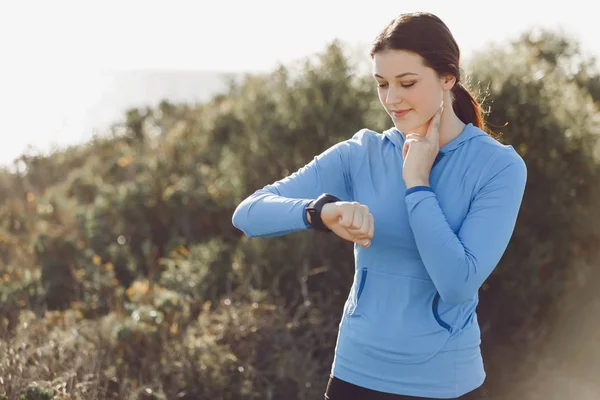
point(123, 278)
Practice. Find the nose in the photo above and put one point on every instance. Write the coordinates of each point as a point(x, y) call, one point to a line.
point(392, 96)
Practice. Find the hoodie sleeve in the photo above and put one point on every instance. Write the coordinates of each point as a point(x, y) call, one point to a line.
point(458, 264)
point(279, 208)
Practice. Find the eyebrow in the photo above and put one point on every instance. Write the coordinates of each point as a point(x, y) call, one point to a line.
point(397, 76)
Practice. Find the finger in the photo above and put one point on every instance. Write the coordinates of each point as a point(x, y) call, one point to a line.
point(364, 243)
point(407, 144)
point(410, 142)
point(433, 131)
point(366, 226)
point(357, 221)
point(362, 231)
point(371, 226)
point(347, 216)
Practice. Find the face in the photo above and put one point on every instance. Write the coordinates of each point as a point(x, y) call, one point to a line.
point(410, 91)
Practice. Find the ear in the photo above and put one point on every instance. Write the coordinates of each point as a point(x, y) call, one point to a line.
point(448, 81)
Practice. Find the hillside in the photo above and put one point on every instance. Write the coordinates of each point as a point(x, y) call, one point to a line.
point(122, 276)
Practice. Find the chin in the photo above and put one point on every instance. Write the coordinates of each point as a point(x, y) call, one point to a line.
point(407, 126)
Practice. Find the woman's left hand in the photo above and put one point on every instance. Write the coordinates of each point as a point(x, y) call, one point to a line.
point(419, 153)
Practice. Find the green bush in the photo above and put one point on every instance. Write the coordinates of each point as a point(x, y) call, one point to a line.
point(125, 278)
point(36, 393)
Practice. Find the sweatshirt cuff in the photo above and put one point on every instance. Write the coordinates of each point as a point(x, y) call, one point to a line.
point(307, 225)
point(418, 189)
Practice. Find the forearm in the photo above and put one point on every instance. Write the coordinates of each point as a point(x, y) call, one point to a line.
point(459, 263)
point(266, 214)
point(280, 208)
point(455, 273)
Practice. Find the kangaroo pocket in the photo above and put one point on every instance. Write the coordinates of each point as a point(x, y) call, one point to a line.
point(394, 317)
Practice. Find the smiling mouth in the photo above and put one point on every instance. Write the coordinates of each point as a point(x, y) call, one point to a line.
point(400, 113)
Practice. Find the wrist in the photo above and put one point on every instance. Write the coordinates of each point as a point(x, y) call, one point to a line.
point(327, 210)
point(314, 211)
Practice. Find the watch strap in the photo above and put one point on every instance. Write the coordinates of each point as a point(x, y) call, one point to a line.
point(315, 211)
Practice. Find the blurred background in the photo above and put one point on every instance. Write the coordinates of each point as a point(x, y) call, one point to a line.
point(131, 130)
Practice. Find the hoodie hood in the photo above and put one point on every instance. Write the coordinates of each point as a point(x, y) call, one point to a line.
point(468, 133)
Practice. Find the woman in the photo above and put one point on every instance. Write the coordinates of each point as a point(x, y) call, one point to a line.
point(430, 204)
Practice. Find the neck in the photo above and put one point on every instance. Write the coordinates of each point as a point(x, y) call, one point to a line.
point(450, 127)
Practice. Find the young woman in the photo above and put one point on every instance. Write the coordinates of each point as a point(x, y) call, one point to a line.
point(430, 204)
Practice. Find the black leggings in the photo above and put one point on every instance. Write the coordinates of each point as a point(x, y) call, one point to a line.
point(338, 389)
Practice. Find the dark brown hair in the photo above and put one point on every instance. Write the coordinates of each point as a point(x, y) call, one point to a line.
point(427, 35)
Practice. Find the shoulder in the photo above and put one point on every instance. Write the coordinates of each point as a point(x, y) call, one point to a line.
point(349, 150)
point(366, 136)
point(497, 163)
point(498, 155)
point(360, 141)
point(368, 139)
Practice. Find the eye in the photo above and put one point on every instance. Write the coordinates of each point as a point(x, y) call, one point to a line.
point(407, 85)
point(382, 85)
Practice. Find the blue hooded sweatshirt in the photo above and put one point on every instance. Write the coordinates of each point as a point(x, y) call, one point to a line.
point(409, 325)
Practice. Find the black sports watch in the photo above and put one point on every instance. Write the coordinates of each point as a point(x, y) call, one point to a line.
point(315, 211)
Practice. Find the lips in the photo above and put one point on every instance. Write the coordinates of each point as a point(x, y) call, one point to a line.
point(400, 113)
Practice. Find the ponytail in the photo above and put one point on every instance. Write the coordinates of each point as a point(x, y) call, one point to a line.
point(466, 107)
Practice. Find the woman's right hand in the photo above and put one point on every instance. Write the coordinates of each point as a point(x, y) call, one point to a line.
point(351, 221)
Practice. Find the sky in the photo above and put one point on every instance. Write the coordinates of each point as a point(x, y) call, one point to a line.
point(58, 56)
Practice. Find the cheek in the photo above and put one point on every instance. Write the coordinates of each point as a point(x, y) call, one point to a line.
point(427, 99)
point(420, 97)
point(381, 94)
